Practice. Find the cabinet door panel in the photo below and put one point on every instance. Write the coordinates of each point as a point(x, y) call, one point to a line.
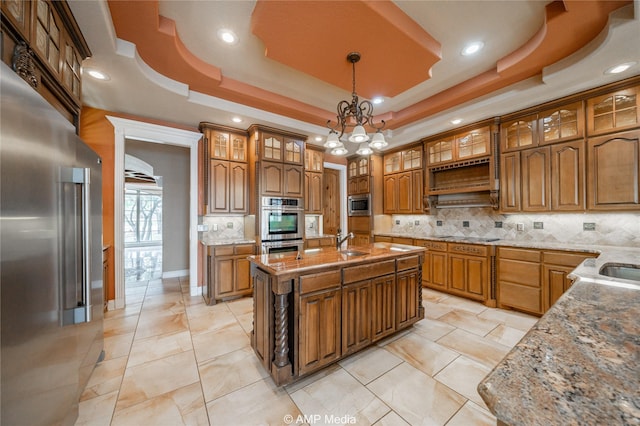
point(272, 179)
point(383, 306)
point(567, 176)
point(457, 275)
point(293, 181)
point(510, 182)
point(390, 194)
point(476, 276)
point(219, 187)
point(242, 274)
point(416, 191)
point(224, 276)
point(319, 330)
point(404, 193)
point(438, 275)
point(614, 172)
point(238, 185)
point(407, 297)
point(535, 180)
point(356, 316)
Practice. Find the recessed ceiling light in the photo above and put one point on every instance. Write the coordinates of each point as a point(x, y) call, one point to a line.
point(377, 100)
point(318, 138)
point(472, 48)
point(236, 120)
point(227, 36)
point(619, 68)
point(456, 121)
point(98, 75)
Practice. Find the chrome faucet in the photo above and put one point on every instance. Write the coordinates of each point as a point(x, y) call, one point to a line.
point(340, 240)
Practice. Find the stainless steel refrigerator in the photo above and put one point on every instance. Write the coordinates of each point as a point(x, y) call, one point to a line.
point(51, 259)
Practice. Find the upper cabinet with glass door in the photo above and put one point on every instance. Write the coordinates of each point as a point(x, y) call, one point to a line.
point(519, 134)
point(613, 112)
point(560, 124)
point(225, 143)
point(459, 147)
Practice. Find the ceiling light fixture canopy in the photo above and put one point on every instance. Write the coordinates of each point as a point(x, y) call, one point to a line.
point(354, 114)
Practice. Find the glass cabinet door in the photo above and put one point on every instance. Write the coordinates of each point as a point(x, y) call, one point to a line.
point(561, 124)
point(440, 151)
point(614, 111)
point(519, 134)
point(475, 143)
point(272, 148)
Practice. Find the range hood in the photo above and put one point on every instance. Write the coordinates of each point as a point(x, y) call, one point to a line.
point(139, 171)
point(472, 183)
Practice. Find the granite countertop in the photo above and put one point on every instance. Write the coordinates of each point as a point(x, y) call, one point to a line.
point(329, 257)
point(226, 242)
point(580, 363)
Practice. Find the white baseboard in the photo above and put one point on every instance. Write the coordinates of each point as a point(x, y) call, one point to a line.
point(176, 274)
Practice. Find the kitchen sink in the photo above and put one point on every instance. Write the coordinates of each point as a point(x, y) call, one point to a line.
point(617, 270)
point(353, 252)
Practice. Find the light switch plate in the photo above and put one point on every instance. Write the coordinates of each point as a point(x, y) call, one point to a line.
point(520, 226)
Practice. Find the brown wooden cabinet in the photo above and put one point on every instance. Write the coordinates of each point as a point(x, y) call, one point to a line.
point(549, 178)
point(402, 182)
point(358, 176)
point(227, 272)
point(614, 172)
point(45, 35)
point(225, 171)
point(614, 112)
point(459, 146)
point(469, 272)
point(315, 242)
point(280, 159)
point(313, 180)
point(518, 280)
point(408, 282)
point(532, 280)
point(434, 268)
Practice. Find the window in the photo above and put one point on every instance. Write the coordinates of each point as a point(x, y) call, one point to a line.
point(142, 216)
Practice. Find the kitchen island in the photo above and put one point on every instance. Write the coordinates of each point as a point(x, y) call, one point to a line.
point(316, 307)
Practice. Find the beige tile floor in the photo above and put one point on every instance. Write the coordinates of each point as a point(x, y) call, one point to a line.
point(172, 360)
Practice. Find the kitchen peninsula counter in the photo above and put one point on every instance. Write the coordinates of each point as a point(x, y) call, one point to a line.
point(318, 306)
point(579, 364)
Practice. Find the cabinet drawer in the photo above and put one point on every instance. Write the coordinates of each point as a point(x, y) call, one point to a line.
point(402, 240)
point(408, 262)
point(320, 281)
point(364, 272)
point(382, 239)
point(518, 296)
point(244, 249)
point(564, 258)
point(223, 251)
point(470, 249)
point(519, 254)
point(431, 245)
point(516, 271)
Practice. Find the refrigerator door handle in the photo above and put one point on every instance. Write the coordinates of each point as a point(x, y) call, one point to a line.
point(77, 275)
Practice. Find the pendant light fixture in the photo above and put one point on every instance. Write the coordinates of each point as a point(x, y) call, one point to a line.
point(355, 114)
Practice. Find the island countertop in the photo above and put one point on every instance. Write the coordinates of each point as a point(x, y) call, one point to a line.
point(327, 257)
point(579, 364)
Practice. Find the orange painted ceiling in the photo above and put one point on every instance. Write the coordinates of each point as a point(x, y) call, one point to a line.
point(315, 36)
point(291, 59)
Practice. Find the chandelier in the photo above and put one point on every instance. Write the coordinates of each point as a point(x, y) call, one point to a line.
point(356, 115)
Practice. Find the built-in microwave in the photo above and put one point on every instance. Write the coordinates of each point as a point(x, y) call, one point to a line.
point(282, 219)
point(359, 205)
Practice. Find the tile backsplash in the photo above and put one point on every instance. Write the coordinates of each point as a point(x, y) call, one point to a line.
point(229, 227)
point(620, 229)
